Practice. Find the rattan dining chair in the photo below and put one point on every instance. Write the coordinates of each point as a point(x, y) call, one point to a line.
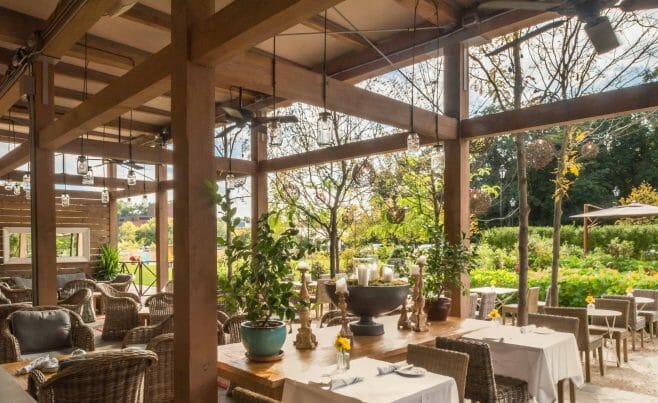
point(619, 332)
point(444, 362)
point(159, 382)
point(481, 383)
point(77, 301)
point(587, 343)
point(636, 322)
point(547, 299)
point(232, 328)
point(73, 286)
point(112, 376)
point(16, 295)
point(121, 312)
point(143, 334)
point(649, 311)
point(513, 309)
point(161, 306)
point(487, 304)
point(241, 395)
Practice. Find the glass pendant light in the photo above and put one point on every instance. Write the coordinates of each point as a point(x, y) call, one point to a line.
point(105, 196)
point(145, 200)
point(66, 200)
point(437, 160)
point(82, 165)
point(230, 181)
point(413, 144)
point(325, 124)
point(88, 178)
point(131, 178)
point(9, 185)
point(17, 189)
point(28, 194)
point(275, 136)
point(27, 184)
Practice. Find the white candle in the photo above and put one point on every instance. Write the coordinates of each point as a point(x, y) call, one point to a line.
point(415, 270)
point(421, 260)
point(374, 273)
point(363, 274)
point(387, 274)
point(341, 285)
point(302, 265)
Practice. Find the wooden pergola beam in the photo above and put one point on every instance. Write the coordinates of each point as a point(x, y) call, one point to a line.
point(335, 30)
point(254, 71)
point(75, 180)
point(608, 104)
point(148, 16)
point(242, 25)
point(427, 10)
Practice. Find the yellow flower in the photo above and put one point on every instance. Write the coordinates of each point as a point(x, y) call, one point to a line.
point(494, 314)
point(342, 343)
point(493, 283)
point(629, 290)
point(590, 299)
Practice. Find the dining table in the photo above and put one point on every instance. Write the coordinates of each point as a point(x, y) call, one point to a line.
point(309, 387)
point(641, 302)
point(606, 315)
point(540, 356)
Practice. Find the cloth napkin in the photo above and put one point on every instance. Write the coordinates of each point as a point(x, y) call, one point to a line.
point(45, 361)
point(528, 329)
point(337, 383)
point(387, 369)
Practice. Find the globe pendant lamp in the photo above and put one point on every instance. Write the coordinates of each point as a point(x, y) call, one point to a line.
point(325, 123)
point(105, 196)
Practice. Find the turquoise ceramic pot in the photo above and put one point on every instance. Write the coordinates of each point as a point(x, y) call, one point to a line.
point(263, 341)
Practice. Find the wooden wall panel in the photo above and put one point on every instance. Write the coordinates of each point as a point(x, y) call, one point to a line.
point(15, 212)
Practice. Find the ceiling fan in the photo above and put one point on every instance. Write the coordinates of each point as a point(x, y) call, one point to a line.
point(597, 27)
point(241, 117)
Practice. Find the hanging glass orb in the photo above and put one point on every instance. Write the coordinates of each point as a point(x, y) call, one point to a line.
point(230, 181)
point(132, 178)
point(27, 182)
point(9, 185)
point(88, 178)
point(82, 165)
point(437, 160)
point(539, 153)
point(589, 150)
point(17, 189)
point(105, 196)
point(275, 135)
point(324, 134)
point(65, 200)
point(413, 144)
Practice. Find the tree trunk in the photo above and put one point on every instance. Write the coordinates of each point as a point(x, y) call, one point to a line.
point(333, 243)
point(524, 209)
point(229, 239)
point(557, 215)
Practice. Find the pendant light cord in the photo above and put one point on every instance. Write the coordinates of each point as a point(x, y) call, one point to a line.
point(413, 67)
point(274, 76)
point(130, 139)
point(438, 72)
point(64, 172)
point(84, 90)
point(324, 66)
point(104, 171)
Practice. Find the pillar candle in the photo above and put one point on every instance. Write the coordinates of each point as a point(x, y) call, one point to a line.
point(363, 274)
point(387, 274)
point(341, 285)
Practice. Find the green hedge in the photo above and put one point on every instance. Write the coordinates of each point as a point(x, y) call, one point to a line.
point(643, 237)
point(575, 284)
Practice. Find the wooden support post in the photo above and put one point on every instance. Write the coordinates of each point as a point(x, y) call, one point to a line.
point(457, 170)
point(259, 180)
point(44, 254)
point(113, 211)
point(195, 221)
point(161, 229)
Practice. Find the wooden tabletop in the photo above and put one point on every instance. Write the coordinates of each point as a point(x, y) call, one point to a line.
point(268, 378)
point(644, 300)
point(13, 389)
point(603, 313)
point(497, 290)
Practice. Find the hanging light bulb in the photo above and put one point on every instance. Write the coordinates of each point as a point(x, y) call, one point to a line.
point(105, 196)
point(324, 135)
point(275, 135)
point(17, 189)
point(88, 179)
point(437, 160)
point(27, 184)
point(413, 144)
point(82, 165)
point(66, 200)
point(230, 181)
point(9, 185)
point(132, 178)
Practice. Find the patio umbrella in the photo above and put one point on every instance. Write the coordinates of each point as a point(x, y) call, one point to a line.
point(629, 210)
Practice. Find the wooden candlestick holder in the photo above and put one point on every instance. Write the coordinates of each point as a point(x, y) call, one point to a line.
point(403, 321)
point(419, 317)
point(305, 340)
point(344, 322)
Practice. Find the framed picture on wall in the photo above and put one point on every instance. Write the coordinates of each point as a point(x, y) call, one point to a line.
point(72, 245)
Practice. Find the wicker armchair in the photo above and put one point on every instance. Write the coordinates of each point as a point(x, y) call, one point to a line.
point(487, 304)
point(77, 301)
point(481, 383)
point(222, 317)
point(241, 395)
point(7, 347)
point(169, 287)
point(82, 336)
point(586, 342)
point(159, 383)
point(513, 309)
point(161, 306)
point(16, 295)
point(144, 334)
point(231, 329)
point(636, 322)
point(3, 299)
point(121, 309)
point(620, 332)
point(113, 376)
point(122, 281)
point(649, 311)
point(444, 362)
point(73, 286)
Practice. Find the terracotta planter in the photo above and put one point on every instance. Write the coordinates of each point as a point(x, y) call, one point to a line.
point(438, 309)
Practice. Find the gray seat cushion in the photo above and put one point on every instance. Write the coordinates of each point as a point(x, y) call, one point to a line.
point(38, 331)
point(62, 279)
point(22, 282)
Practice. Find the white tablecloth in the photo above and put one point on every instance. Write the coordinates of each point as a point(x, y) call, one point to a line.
point(539, 359)
point(431, 388)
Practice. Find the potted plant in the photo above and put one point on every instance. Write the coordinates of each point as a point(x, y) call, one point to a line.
point(446, 262)
point(258, 286)
point(108, 265)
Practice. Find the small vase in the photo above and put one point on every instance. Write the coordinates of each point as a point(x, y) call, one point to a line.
point(343, 360)
point(591, 307)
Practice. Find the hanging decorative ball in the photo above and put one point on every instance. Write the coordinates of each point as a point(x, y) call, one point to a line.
point(291, 189)
point(539, 153)
point(363, 173)
point(395, 214)
point(480, 201)
point(589, 150)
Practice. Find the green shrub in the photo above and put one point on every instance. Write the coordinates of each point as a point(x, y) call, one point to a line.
point(108, 264)
point(618, 248)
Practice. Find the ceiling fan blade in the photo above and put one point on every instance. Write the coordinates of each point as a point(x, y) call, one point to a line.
point(637, 5)
point(279, 119)
point(232, 112)
point(134, 166)
point(226, 131)
point(521, 5)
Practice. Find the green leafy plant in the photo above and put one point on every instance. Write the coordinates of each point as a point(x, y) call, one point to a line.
point(108, 266)
point(258, 286)
point(446, 262)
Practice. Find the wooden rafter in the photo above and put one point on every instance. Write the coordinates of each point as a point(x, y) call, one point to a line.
point(149, 16)
point(335, 30)
point(427, 10)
